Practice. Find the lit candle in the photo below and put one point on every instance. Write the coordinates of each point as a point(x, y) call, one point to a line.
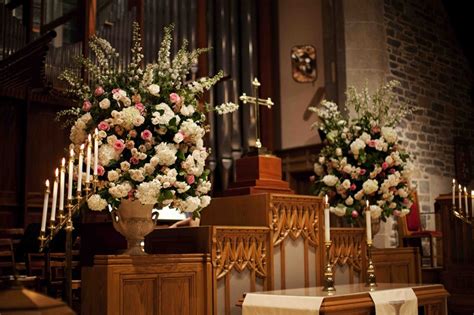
point(79, 172)
point(96, 150)
point(465, 202)
point(45, 207)
point(368, 222)
point(55, 196)
point(88, 159)
point(62, 180)
point(454, 193)
point(460, 200)
point(472, 204)
point(70, 175)
point(327, 233)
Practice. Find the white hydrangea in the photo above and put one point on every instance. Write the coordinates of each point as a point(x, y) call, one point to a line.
point(191, 131)
point(121, 190)
point(205, 201)
point(356, 146)
point(131, 117)
point(191, 204)
point(330, 180)
point(96, 203)
point(107, 154)
point(203, 187)
point(162, 115)
point(166, 153)
point(148, 192)
point(375, 211)
point(389, 134)
point(187, 110)
point(136, 175)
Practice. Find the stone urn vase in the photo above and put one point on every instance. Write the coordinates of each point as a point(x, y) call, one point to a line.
point(134, 221)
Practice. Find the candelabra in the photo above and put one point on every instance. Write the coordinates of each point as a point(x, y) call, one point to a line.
point(328, 273)
point(371, 280)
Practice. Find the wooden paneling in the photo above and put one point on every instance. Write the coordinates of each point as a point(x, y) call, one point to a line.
point(397, 265)
point(147, 285)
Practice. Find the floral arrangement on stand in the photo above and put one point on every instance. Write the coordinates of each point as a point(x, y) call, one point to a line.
point(149, 124)
point(362, 159)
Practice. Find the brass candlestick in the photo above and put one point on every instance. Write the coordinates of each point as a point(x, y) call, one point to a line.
point(328, 274)
point(69, 225)
point(95, 182)
point(371, 280)
point(42, 238)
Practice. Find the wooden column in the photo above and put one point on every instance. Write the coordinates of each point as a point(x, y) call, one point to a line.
point(89, 23)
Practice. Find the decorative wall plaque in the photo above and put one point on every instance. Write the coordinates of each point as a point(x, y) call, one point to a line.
point(303, 63)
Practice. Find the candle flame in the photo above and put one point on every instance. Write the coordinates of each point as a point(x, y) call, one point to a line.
point(82, 147)
point(326, 199)
point(367, 204)
point(71, 153)
point(472, 193)
point(56, 172)
point(460, 187)
point(63, 162)
point(89, 138)
point(47, 183)
point(454, 181)
point(465, 189)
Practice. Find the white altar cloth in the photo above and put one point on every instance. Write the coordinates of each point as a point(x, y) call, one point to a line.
point(395, 302)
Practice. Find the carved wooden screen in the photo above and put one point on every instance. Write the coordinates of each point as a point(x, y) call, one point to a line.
point(348, 254)
point(240, 263)
point(295, 225)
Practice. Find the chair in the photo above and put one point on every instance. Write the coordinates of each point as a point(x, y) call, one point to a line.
point(411, 231)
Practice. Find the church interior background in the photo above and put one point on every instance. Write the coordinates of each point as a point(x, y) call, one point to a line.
point(258, 233)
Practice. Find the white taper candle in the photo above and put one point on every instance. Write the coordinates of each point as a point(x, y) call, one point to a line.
point(96, 150)
point(465, 202)
point(55, 196)
point(62, 183)
point(88, 159)
point(327, 232)
point(454, 193)
point(460, 200)
point(45, 207)
point(70, 175)
point(368, 222)
point(79, 170)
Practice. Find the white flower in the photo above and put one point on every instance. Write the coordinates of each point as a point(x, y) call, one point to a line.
point(107, 154)
point(339, 152)
point(136, 175)
point(96, 203)
point(339, 210)
point(121, 190)
point(370, 186)
point(404, 212)
point(112, 176)
point(148, 192)
point(226, 108)
point(178, 137)
point(318, 169)
point(346, 184)
point(130, 117)
point(191, 131)
point(191, 204)
point(203, 186)
point(205, 201)
point(349, 201)
point(166, 153)
point(124, 166)
point(154, 89)
point(402, 193)
point(389, 160)
point(162, 115)
point(104, 104)
point(375, 211)
point(365, 137)
point(359, 195)
point(356, 146)
point(187, 110)
point(389, 134)
point(330, 180)
point(321, 160)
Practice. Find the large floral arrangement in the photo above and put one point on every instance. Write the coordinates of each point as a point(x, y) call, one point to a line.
point(150, 125)
point(362, 158)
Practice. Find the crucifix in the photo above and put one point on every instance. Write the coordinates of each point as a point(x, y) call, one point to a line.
point(256, 102)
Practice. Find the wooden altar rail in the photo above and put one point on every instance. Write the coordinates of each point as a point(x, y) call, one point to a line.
point(458, 254)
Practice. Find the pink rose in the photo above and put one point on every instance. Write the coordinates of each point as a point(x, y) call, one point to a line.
point(354, 214)
point(131, 194)
point(362, 171)
point(100, 170)
point(353, 187)
point(115, 90)
point(146, 135)
point(384, 165)
point(119, 145)
point(174, 98)
point(134, 160)
point(132, 133)
point(396, 213)
point(98, 91)
point(190, 179)
point(371, 143)
point(103, 126)
point(86, 106)
point(140, 107)
point(392, 171)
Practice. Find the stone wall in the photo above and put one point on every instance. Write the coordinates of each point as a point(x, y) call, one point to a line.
point(436, 80)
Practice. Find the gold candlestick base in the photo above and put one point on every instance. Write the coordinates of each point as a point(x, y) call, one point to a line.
point(61, 216)
point(42, 238)
point(371, 279)
point(328, 273)
point(52, 226)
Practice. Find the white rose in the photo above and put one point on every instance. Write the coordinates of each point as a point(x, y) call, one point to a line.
point(389, 160)
point(124, 166)
point(205, 201)
point(356, 146)
point(104, 104)
point(96, 203)
point(330, 180)
point(318, 169)
point(346, 184)
point(339, 210)
point(404, 212)
point(359, 195)
point(389, 134)
point(370, 186)
point(178, 138)
point(339, 152)
point(112, 176)
point(375, 211)
point(154, 89)
point(321, 160)
point(349, 201)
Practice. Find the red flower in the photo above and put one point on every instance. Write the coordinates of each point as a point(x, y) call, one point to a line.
point(98, 91)
point(146, 135)
point(119, 145)
point(134, 160)
point(100, 170)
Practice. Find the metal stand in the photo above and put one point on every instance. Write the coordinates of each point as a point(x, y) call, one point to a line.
point(371, 280)
point(328, 274)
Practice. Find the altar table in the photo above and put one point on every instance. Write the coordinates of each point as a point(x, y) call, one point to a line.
point(354, 299)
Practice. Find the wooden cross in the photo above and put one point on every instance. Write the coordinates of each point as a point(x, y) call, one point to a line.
point(256, 102)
